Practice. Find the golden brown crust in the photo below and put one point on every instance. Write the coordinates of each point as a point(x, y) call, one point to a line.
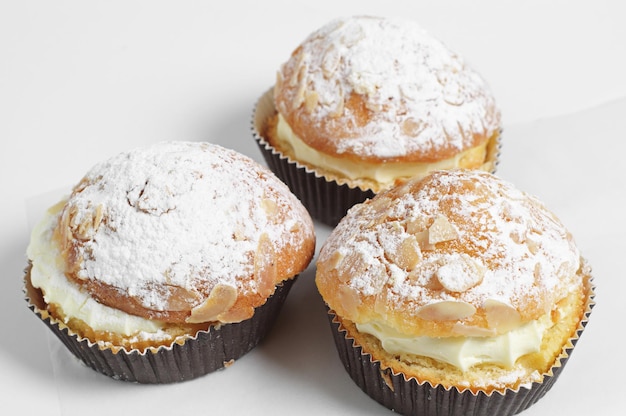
point(269, 256)
point(356, 85)
point(460, 252)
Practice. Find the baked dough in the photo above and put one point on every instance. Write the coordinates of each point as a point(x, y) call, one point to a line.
point(182, 233)
point(458, 254)
point(379, 91)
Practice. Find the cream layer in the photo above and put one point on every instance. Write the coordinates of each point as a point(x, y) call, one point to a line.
point(384, 173)
point(47, 274)
point(464, 352)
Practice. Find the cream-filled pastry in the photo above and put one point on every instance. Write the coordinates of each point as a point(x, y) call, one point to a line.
point(369, 102)
point(458, 280)
point(168, 252)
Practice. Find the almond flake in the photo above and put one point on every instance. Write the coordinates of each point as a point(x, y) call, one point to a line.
point(221, 299)
point(447, 310)
point(441, 230)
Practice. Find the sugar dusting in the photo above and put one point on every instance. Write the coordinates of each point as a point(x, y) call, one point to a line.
point(178, 215)
point(406, 74)
point(522, 252)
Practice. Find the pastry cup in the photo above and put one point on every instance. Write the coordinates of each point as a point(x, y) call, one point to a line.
point(409, 396)
point(185, 359)
point(327, 199)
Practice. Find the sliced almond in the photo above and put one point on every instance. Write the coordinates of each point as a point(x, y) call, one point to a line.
point(447, 310)
point(412, 127)
point(220, 300)
point(351, 264)
point(311, 98)
point(85, 226)
point(501, 316)
point(265, 269)
point(335, 264)
point(380, 204)
point(409, 253)
point(532, 242)
point(299, 96)
point(269, 206)
point(381, 305)
point(417, 225)
point(517, 237)
point(300, 69)
point(423, 241)
point(441, 230)
point(98, 216)
point(406, 254)
point(460, 273)
point(330, 61)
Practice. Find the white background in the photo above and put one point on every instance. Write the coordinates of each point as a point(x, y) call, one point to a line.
point(81, 81)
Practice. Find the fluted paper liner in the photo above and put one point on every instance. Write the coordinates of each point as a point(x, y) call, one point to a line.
point(409, 396)
point(204, 353)
point(327, 200)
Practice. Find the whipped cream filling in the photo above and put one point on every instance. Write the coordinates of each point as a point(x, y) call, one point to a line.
point(464, 352)
point(384, 173)
point(47, 274)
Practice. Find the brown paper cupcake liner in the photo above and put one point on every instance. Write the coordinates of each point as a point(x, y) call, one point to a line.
point(326, 199)
point(206, 352)
point(408, 396)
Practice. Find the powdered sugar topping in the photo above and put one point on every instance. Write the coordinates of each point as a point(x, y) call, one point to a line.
point(422, 95)
point(508, 249)
point(178, 216)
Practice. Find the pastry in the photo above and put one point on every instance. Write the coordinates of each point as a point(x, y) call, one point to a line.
point(456, 287)
point(168, 261)
point(363, 103)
